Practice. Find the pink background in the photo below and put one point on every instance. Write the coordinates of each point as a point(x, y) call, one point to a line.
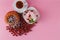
point(48, 27)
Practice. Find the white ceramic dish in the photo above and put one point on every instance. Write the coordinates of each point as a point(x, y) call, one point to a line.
point(20, 10)
point(34, 15)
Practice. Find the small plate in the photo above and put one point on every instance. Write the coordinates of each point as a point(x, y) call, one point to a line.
point(22, 3)
point(31, 15)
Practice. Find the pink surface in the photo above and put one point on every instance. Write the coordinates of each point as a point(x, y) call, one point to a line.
point(48, 27)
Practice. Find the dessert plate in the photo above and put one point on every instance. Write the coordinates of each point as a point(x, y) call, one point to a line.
point(20, 6)
point(31, 15)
